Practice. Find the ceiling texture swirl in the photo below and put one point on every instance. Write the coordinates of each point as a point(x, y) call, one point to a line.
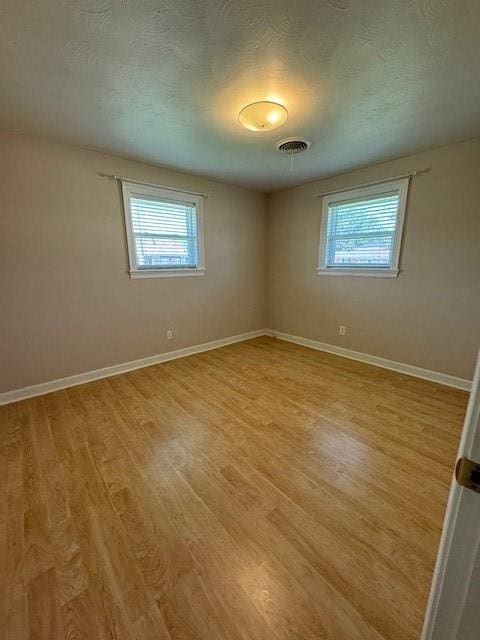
point(163, 81)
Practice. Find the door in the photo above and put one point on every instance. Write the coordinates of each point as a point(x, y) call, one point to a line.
point(453, 611)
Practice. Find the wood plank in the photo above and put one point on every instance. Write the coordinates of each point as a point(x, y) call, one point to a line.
point(260, 491)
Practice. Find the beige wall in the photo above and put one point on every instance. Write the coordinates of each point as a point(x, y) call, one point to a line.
point(430, 315)
point(67, 303)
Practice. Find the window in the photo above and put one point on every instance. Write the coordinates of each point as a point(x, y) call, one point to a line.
point(362, 230)
point(164, 231)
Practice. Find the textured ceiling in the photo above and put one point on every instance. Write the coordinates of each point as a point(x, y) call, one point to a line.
point(163, 80)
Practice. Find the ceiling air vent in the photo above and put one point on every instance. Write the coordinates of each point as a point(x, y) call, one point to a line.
point(293, 145)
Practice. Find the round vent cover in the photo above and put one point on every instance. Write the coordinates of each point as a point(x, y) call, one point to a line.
point(293, 145)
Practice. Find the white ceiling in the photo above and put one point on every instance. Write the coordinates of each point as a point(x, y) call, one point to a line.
point(163, 80)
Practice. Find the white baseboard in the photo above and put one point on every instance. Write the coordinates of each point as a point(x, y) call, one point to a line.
point(400, 367)
point(80, 378)
point(88, 376)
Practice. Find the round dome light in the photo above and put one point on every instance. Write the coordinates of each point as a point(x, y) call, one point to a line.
point(263, 116)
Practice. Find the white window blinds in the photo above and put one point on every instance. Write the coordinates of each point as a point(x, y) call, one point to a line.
point(362, 228)
point(361, 232)
point(165, 233)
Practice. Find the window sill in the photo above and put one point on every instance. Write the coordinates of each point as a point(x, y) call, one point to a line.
point(372, 273)
point(165, 273)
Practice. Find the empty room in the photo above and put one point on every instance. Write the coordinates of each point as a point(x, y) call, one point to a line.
point(239, 320)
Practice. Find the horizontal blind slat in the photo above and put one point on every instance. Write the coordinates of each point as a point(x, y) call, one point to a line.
point(361, 232)
point(165, 233)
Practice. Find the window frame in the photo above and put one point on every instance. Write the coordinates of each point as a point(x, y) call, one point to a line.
point(391, 271)
point(130, 189)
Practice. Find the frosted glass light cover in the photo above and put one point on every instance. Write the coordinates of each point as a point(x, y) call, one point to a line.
point(263, 116)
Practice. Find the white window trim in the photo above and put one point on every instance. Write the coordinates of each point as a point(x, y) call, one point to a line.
point(134, 188)
point(378, 272)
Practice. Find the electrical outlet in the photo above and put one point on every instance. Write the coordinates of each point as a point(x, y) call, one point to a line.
point(169, 334)
point(342, 329)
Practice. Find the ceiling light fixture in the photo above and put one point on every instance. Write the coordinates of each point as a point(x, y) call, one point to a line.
point(263, 116)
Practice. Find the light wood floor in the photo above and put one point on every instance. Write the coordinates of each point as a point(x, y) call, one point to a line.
point(260, 491)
